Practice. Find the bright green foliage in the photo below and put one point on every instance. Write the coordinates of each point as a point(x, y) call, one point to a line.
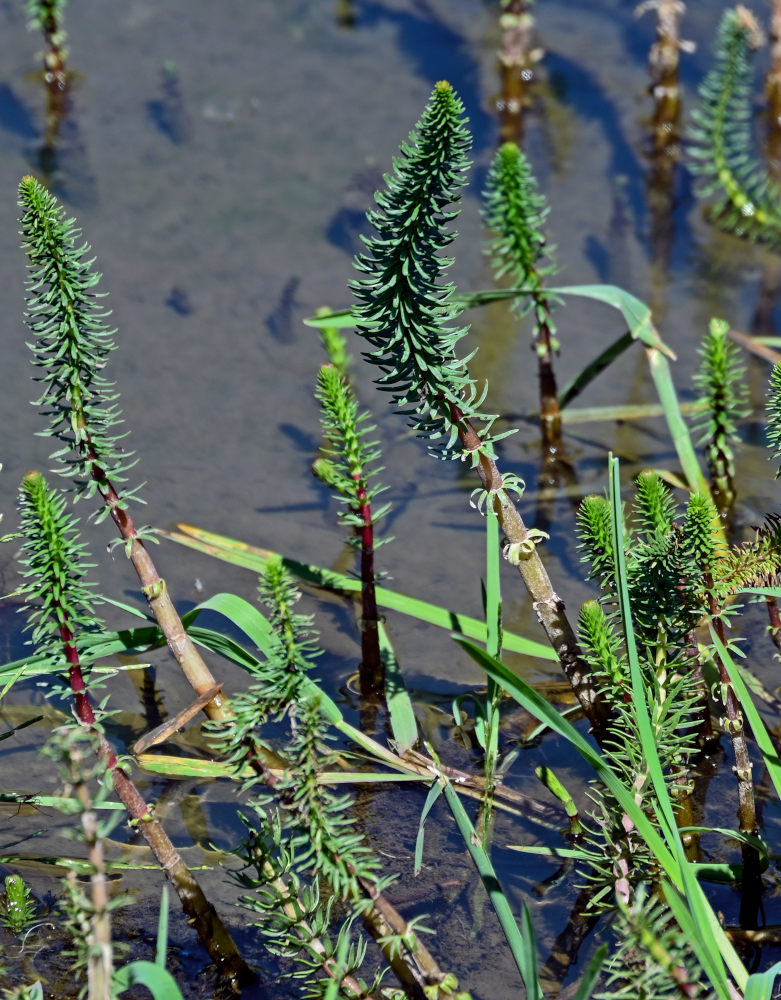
point(17, 909)
point(663, 579)
point(654, 958)
point(300, 830)
point(296, 642)
point(403, 312)
point(325, 836)
point(45, 13)
point(596, 538)
point(746, 201)
point(347, 465)
point(774, 416)
point(701, 541)
point(723, 395)
point(515, 211)
point(71, 346)
point(57, 595)
point(296, 922)
point(601, 645)
point(336, 348)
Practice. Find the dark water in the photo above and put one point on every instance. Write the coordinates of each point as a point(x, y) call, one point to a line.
point(219, 159)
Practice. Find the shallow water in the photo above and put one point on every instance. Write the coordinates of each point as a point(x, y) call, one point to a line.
point(220, 161)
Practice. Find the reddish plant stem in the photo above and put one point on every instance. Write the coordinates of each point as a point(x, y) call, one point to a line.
point(372, 671)
point(550, 414)
point(775, 621)
point(201, 914)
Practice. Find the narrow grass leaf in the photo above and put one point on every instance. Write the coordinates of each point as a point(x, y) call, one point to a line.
point(255, 559)
point(522, 947)
point(162, 930)
point(434, 792)
point(160, 983)
point(760, 984)
point(591, 975)
point(404, 725)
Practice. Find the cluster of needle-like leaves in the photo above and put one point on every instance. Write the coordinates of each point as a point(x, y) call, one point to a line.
point(774, 417)
point(746, 202)
point(56, 592)
point(348, 461)
point(403, 311)
point(71, 347)
point(722, 396)
point(514, 211)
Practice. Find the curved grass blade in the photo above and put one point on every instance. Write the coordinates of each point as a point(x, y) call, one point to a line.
point(404, 725)
point(522, 945)
point(241, 554)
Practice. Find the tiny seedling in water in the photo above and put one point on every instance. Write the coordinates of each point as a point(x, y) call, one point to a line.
point(17, 909)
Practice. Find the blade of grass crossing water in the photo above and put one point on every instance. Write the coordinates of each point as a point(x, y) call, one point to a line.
point(434, 792)
point(241, 554)
point(402, 716)
point(522, 945)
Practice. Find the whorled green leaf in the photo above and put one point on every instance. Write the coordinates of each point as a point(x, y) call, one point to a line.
point(403, 311)
point(71, 347)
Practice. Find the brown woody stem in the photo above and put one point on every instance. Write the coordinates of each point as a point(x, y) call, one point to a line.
point(548, 606)
point(201, 914)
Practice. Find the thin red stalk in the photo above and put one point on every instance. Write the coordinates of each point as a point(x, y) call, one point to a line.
point(775, 621)
point(372, 672)
point(201, 914)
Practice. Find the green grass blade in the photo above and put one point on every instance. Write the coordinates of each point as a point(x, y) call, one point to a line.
point(402, 716)
point(590, 976)
point(433, 794)
point(708, 957)
point(706, 945)
point(679, 431)
point(760, 984)
point(594, 368)
point(162, 930)
point(255, 559)
point(675, 870)
point(160, 983)
point(522, 946)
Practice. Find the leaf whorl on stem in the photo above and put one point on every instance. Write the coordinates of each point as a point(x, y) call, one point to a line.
point(403, 312)
point(71, 347)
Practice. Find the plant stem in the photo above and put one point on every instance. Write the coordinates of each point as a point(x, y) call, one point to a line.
point(154, 589)
point(201, 914)
point(372, 670)
point(415, 966)
point(548, 606)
